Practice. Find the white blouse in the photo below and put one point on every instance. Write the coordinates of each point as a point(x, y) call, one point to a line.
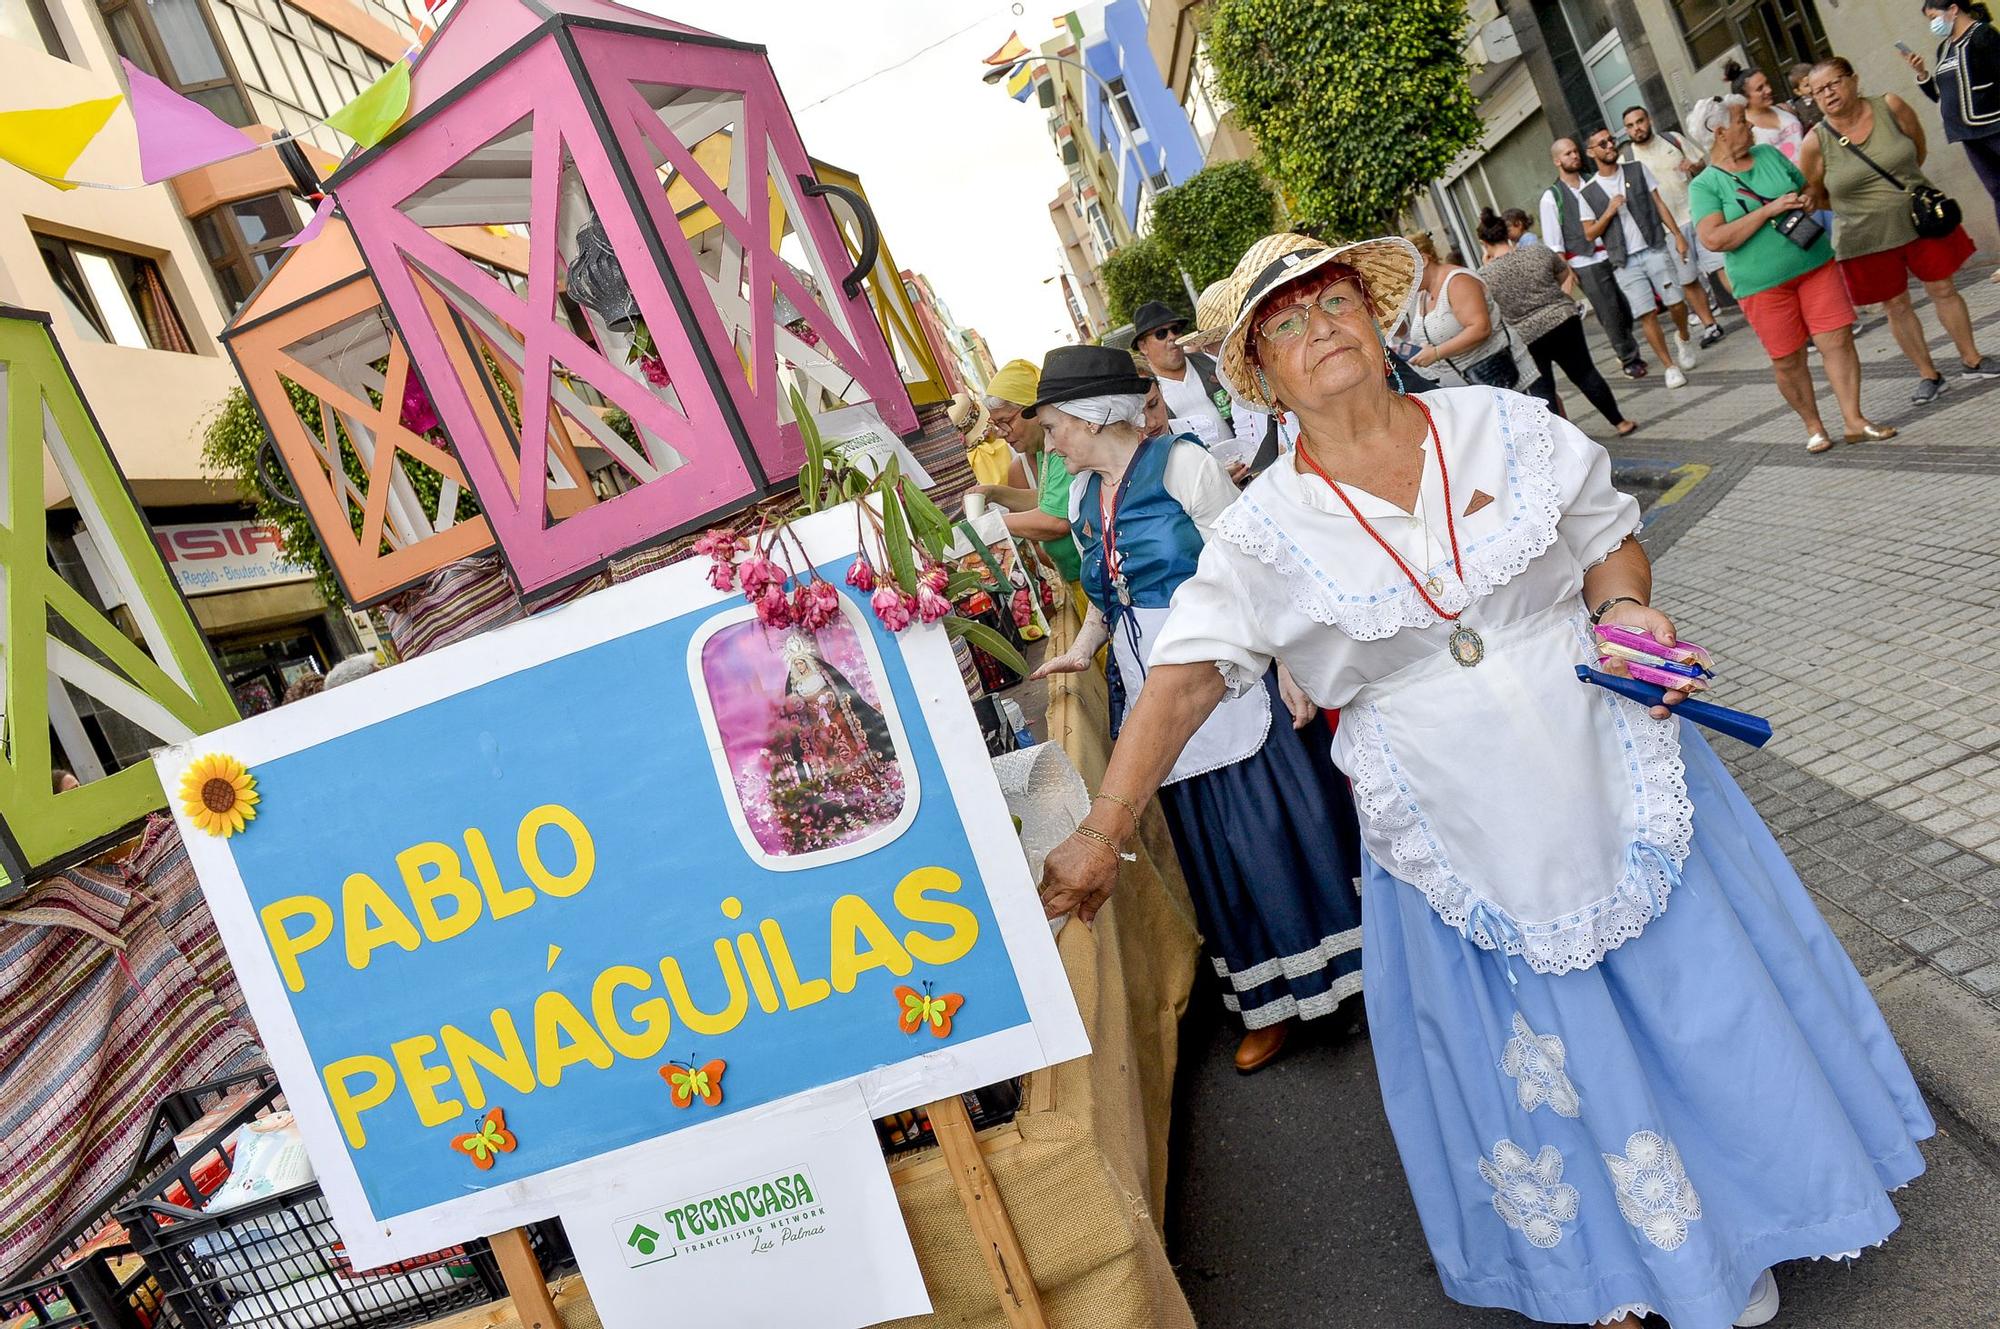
point(1541, 817)
point(1289, 561)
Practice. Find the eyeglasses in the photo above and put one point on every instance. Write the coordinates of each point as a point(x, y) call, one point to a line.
point(1167, 333)
point(1290, 323)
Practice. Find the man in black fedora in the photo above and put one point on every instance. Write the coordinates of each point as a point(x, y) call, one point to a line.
point(1196, 400)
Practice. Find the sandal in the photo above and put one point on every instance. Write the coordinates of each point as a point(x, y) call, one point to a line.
point(1819, 443)
point(1626, 428)
point(1873, 434)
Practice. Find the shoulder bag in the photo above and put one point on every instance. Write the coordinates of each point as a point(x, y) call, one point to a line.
point(1932, 211)
point(1798, 226)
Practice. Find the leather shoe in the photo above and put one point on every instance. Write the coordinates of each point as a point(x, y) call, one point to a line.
point(1261, 1047)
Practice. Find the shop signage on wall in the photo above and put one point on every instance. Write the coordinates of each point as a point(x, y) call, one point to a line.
point(206, 557)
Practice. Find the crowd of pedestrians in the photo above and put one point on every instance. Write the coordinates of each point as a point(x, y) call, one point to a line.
point(1795, 210)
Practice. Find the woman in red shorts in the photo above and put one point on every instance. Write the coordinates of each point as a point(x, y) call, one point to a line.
point(1790, 293)
point(1859, 161)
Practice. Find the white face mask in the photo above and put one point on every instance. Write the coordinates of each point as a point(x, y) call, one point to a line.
point(1940, 26)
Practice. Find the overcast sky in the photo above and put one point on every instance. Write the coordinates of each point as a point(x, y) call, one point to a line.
point(960, 174)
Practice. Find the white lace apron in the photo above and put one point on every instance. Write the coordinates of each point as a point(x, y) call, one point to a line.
point(1235, 731)
point(1540, 816)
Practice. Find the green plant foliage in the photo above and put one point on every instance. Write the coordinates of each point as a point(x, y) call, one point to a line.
point(1206, 223)
point(1141, 271)
point(1355, 104)
point(230, 447)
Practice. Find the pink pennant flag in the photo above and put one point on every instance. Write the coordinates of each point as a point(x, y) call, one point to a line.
point(321, 215)
point(176, 134)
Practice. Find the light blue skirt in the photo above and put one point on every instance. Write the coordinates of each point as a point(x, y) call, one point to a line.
point(1716, 1095)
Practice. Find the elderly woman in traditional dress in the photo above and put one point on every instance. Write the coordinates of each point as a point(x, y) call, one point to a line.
point(1627, 1064)
point(1262, 823)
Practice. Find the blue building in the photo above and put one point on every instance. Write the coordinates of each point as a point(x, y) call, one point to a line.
point(1150, 138)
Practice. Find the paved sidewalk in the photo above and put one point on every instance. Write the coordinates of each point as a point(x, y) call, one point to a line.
point(1854, 598)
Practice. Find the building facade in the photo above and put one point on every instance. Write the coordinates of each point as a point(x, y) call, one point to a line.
point(1082, 253)
point(1129, 111)
point(1560, 68)
point(141, 282)
point(1173, 31)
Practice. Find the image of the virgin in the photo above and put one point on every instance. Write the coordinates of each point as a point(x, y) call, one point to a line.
point(836, 730)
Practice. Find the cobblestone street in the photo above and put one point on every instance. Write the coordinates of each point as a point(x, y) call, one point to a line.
point(1854, 599)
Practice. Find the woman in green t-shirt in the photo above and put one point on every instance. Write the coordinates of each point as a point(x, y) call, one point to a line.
point(1788, 293)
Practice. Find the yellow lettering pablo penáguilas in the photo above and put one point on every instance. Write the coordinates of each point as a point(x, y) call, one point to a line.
point(629, 1012)
point(442, 901)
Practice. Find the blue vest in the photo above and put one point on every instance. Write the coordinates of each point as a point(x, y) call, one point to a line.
point(1158, 543)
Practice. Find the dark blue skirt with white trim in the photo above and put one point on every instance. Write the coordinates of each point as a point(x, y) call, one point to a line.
point(1271, 850)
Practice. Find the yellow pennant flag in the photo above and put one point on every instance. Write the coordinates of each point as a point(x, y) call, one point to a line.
point(46, 143)
point(369, 118)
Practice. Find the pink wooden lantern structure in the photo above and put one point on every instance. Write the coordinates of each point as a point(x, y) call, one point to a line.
point(570, 121)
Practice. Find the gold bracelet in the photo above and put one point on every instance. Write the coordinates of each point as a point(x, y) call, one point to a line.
point(1092, 833)
point(1125, 803)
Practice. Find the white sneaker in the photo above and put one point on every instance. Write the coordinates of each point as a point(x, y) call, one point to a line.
point(1763, 1307)
point(1675, 378)
point(1684, 350)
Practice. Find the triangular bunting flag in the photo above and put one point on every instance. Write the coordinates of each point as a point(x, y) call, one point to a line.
point(1010, 50)
point(176, 134)
point(47, 142)
point(321, 215)
point(369, 118)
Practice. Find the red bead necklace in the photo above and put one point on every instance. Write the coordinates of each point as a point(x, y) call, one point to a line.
point(1451, 527)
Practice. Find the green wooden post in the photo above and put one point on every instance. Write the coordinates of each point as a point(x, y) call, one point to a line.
point(166, 682)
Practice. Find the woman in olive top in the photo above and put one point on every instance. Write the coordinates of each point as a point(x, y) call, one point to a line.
point(1966, 85)
point(1860, 159)
point(1789, 294)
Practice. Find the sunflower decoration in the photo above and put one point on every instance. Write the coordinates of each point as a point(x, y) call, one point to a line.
point(218, 794)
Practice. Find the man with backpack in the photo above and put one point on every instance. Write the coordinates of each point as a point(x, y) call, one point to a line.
point(1574, 228)
point(1674, 161)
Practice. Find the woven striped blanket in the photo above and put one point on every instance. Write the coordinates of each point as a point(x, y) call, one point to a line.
point(117, 992)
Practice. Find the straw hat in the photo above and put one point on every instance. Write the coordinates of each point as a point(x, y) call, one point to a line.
point(1389, 267)
point(1213, 313)
point(969, 416)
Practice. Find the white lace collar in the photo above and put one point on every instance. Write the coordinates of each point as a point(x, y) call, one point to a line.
point(1263, 523)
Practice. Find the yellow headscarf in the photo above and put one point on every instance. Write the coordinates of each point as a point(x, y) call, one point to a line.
point(1018, 381)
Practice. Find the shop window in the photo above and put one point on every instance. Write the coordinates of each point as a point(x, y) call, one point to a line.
point(174, 41)
point(32, 22)
point(114, 297)
point(244, 241)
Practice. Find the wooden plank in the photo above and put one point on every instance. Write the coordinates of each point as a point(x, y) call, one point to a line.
point(986, 1212)
point(533, 1302)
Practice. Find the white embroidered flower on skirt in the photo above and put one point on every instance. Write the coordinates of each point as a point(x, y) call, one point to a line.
point(1654, 1192)
point(1536, 1063)
point(1529, 1194)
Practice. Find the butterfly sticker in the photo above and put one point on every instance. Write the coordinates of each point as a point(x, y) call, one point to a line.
point(491, 1139)
point(915, 1010)
point(688, 1083)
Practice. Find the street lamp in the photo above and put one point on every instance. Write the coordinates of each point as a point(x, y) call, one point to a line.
point(1125, 144)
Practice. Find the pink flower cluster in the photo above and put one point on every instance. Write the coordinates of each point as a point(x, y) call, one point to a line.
point(813, 602)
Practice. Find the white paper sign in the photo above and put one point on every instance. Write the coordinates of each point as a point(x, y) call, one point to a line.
point(784, 1217)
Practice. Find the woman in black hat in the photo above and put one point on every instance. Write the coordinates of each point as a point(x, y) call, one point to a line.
point(1262, 823)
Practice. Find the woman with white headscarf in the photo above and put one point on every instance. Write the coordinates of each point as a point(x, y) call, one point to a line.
point(1263, 824)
